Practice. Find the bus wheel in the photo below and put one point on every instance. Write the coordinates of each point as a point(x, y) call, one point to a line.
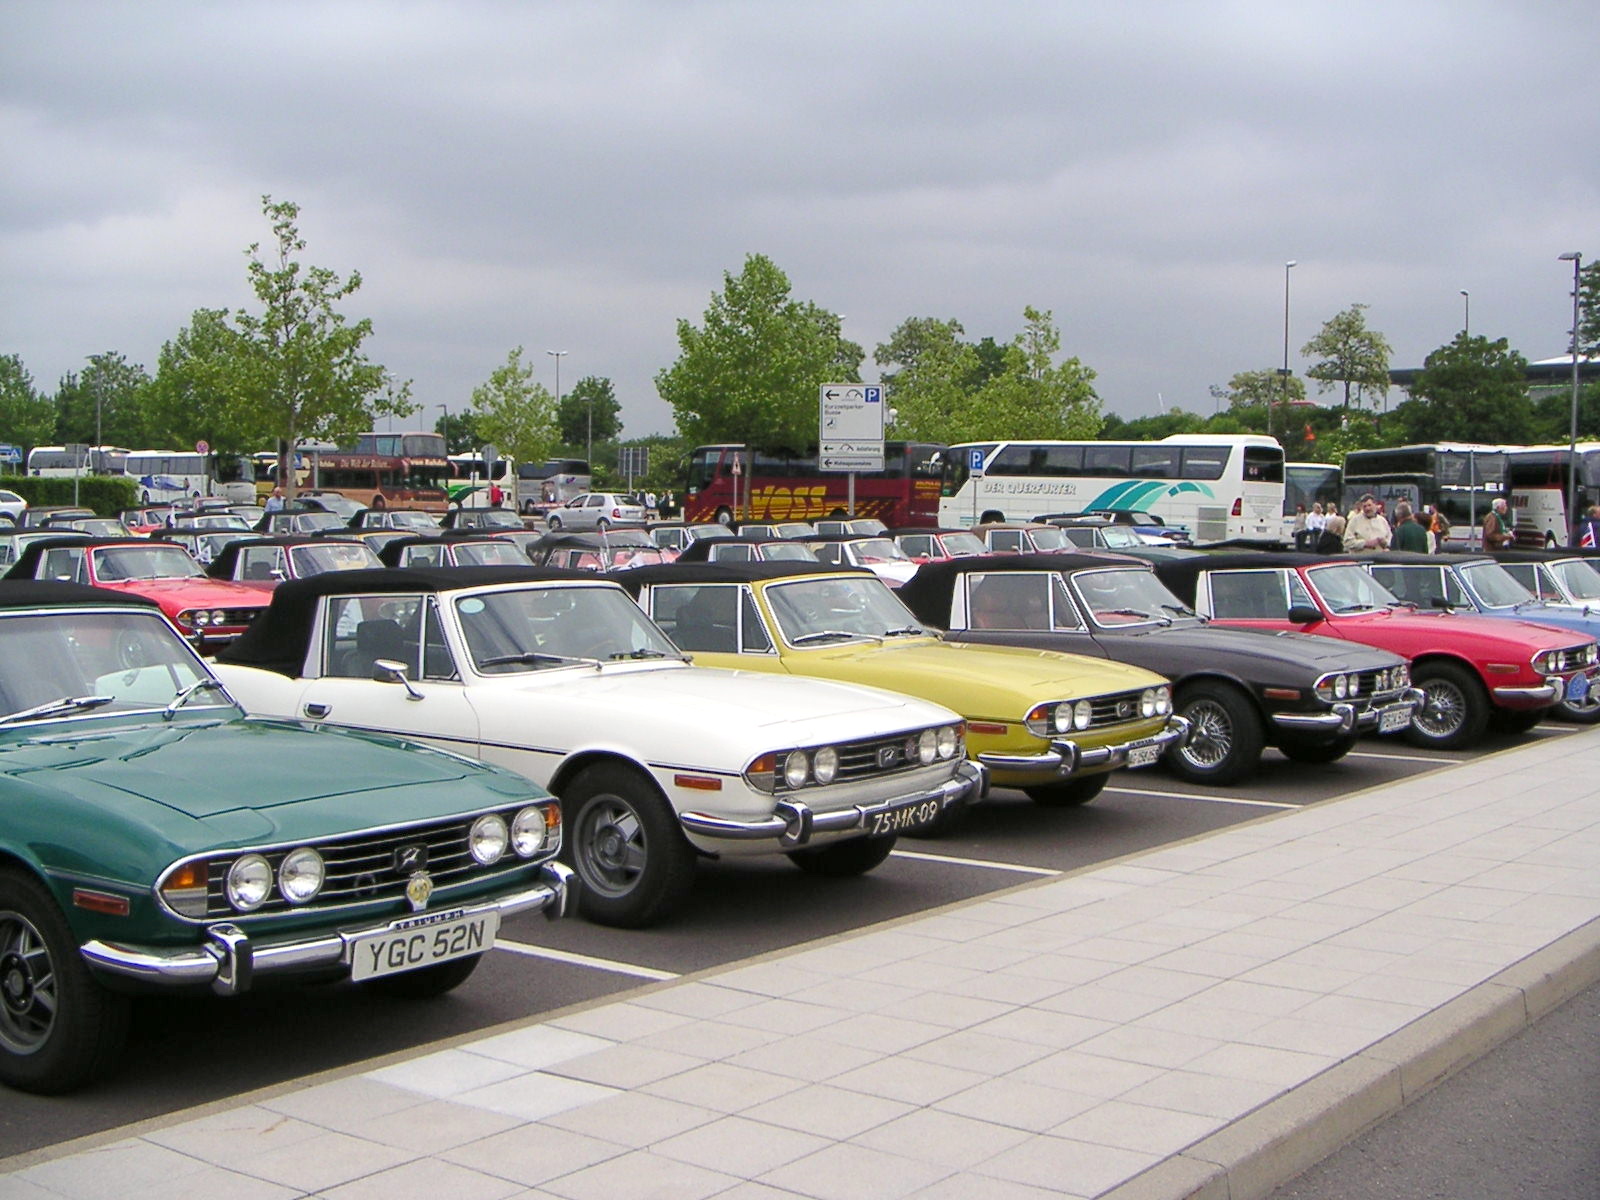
point(991, 518)
point(378, 501)
point(144, 497)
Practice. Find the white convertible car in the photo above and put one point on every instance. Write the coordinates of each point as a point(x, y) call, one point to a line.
point(559, 675)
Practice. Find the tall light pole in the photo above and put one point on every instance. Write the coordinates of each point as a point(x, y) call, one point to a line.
point(1466, 313)
point(557, 355)
point(445, 426)
point(1576, 259)
point(1283, 375)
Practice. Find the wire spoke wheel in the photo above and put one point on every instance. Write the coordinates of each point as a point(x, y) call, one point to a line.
point(1211, 741)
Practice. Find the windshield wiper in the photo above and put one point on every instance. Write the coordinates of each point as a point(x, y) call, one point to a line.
point(55, 708)
point(190, 692)
point(905, 631)
point(1182, 610)
point(643, 652)
point(1344, 608)
point(824, 634)
point(535, 657)
point(1136, 613)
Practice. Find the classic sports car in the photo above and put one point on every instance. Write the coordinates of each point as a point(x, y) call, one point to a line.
point(1241, 690)
point(454, 548)
point(935, 545)
point(620, 548)
point(1024, 538)
point(210, 612)
point(1566, 578)
point(1479, 583)
point(1468, 667)
point(1053, 725)
point(747, 548)
point(156, 839)
point(264, 563)
point(879, 554)
point(559, 675)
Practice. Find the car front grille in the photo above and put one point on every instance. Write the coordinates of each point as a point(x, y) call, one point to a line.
point(1573, 658)
point(1116, 709)
point(878, 756)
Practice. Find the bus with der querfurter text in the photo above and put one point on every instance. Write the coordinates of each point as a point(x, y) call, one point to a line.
point(734, 482)
point(1219, 487)
point(1538, 478)
point(472, 480)
point(384, 480)
point(1459, 479)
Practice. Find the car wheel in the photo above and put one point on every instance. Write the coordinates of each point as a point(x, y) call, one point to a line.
point(1070, 794)
point(1578, 712)
point(1454, 710)
point(602, 525)
point(425, 982)
point(1519, 721)
point(1225, 737)
point(626, 846)
point(554, 522)
point(1316, 752)
point(840, 860)
point(58, 1027)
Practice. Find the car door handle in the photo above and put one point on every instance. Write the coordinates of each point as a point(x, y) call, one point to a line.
point(316, 710)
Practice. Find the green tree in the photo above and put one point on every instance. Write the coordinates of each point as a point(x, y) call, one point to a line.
point(592, 398)
point(1472, 390)
point(27, 417)
point(1350, 354)
point(1589, 311)
point(514, 413)
point(191, 395)
point(106, 404)
point(751, 372)
point(1256, 391)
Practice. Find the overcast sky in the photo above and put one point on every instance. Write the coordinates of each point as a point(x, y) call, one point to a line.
point(579, 176)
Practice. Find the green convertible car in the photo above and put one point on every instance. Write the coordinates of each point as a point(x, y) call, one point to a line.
point(152, 837)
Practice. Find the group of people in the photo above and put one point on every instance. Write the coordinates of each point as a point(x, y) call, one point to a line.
point(1368, 529)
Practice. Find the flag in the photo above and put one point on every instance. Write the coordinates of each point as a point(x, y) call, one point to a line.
point(1587, 540)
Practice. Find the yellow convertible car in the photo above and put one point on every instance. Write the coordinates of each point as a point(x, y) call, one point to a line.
point(1054, 725)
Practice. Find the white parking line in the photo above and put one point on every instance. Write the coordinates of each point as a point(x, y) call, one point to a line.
point(583, 960)
point(1198, 796)
point(973, 862)
point(1437, 759)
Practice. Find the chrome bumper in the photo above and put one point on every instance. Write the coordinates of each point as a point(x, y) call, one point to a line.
point(1342, 718)
point(1531, 697)
point(230, 960)
point(1066, 758)
point(794, 823)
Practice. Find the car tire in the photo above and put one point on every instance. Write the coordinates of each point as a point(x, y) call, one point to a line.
point(1316, 752)
point(602, 525)
point(1586, 713)
point(1519, 721)
point(59, 1028)
point(1071, 794)
point(841, 860)
point(554, 522)
point(1225, 738)
point(626, 847)
point(426, 982)
point(1454, 710)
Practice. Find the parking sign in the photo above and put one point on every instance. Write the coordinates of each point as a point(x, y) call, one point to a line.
point(975, 462)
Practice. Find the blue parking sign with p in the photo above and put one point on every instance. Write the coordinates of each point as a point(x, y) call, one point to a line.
point(975, 461)
point(873, 395)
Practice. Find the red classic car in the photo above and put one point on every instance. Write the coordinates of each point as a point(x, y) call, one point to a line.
point(210, 612)
point(1469, 668)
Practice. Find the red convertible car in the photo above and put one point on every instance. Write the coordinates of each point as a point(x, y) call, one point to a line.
point(1469, 668)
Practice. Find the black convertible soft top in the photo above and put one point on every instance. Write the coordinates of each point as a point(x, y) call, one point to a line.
point(278, 639)
point(1181, 575)
point(43, 593)
point(636, 578)
point(221, 567)
point(928, 593)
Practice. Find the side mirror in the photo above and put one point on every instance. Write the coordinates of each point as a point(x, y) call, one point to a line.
point(392, 670)
point(1304, 614)
point(1440, 602)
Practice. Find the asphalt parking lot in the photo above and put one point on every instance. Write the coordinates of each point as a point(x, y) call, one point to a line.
point(187, 1052)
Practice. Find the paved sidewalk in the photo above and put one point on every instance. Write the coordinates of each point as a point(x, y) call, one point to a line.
point(1205, 1019)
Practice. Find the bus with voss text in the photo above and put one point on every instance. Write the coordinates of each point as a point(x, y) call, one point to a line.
point(731, 482)
point(1459, 479)
point(1540, 479)
point(1218, 486)
point(384, 480)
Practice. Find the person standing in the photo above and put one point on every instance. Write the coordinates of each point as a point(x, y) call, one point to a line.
point(1589, 529)
point(1331, 539)
point(1439, 529)
point(1496, 528)
point(1367, 529)
point(1301, 527)
point(1408, 533)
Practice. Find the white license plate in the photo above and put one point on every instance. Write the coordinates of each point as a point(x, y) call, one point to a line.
point(906, 816)
point(1143, 756)
point(1392, 719)
point(408, 945)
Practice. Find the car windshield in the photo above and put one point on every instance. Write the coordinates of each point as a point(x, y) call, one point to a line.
point(316, 560)
point(536, 628)
point(878, 550)
point(1049, 539)
point(419, 522)
point(118, 563)
point(308, 521)
point(490, 554)
point(959, 545)
point(816, 611)
point(64, 663)
point(494, 518)
point(1581, 580)
point(1347, 588)
point(795, 552)
point(1494, 585)
point(1120, 537)
point(1120, 598)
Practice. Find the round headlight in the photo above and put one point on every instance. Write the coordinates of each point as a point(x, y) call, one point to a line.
point(1082, 714)
point(947, 742)
point(825, 765)
point(927, 747)
point(1341, 687)
point(796, 768)
point(249, 882)
point(1402, 675)
point(1147, 702)
point(488, 838)
point(528, 831)
point(300, 875)
point(219, 617)
point(1163, 700)
point(199, 619)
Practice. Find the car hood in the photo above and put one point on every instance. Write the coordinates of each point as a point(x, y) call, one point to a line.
point(193, 593)
point(1418, 632)
point(1260, 645)
point(984, 681)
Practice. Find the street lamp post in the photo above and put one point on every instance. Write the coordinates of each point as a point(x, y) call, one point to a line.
point(1466, 313)
point(1576, 259)
point(445, 426)
point(1283, 375)
point(557, 355)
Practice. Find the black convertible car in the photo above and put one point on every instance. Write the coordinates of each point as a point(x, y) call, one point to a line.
point(1242, 690)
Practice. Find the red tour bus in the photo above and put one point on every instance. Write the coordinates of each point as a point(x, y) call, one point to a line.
point(733, 482)
point(385, 480)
